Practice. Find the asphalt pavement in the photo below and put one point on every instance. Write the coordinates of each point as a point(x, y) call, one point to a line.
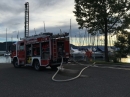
point(26, 82)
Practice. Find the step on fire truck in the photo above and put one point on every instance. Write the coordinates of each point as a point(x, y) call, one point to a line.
point(41, 50)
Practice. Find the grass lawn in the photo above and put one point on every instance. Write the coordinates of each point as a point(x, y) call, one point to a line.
point(103, 62)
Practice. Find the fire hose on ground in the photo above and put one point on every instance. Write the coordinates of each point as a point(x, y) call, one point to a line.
point(60, 68)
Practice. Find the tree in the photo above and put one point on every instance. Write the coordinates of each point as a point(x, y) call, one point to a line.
point(106, 16)
point(123, 43)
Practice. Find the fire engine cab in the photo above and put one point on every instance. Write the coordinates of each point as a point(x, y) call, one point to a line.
point(41, 50)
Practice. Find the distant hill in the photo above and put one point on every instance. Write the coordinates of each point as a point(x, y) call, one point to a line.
point(3, 45)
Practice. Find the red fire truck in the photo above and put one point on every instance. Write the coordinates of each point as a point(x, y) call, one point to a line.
point(41, 50)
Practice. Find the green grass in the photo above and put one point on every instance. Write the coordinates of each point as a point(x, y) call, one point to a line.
point(103, 62)
point(110, 63)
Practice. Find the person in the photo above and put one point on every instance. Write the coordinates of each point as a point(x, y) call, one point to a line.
point(88, 55)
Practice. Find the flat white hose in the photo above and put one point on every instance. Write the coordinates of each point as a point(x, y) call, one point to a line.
point(60, 67)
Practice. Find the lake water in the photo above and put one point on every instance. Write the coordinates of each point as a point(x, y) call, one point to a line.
point(127, 60)
point(6, 59)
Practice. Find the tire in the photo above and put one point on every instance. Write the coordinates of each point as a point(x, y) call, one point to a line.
point(15, 63)
point(37, 65)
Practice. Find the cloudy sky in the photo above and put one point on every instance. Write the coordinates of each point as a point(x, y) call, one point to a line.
point(55, 13)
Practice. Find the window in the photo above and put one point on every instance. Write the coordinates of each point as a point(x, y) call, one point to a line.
point(21, 46)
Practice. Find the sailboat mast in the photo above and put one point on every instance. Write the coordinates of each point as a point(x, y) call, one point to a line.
point(70, 31)
point(97, 39)
point(44, 27)
point(70, 35)
point(6, 39)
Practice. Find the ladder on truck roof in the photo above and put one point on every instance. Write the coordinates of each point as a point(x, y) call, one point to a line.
point(45, 35)
point(26, 33)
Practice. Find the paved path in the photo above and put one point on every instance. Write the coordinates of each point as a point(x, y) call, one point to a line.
point(26, 82)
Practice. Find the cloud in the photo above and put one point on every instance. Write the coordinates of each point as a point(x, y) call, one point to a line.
point(55, 13)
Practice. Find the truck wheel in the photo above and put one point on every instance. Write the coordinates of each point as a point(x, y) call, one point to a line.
point(15, 63)
point(37, 65)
